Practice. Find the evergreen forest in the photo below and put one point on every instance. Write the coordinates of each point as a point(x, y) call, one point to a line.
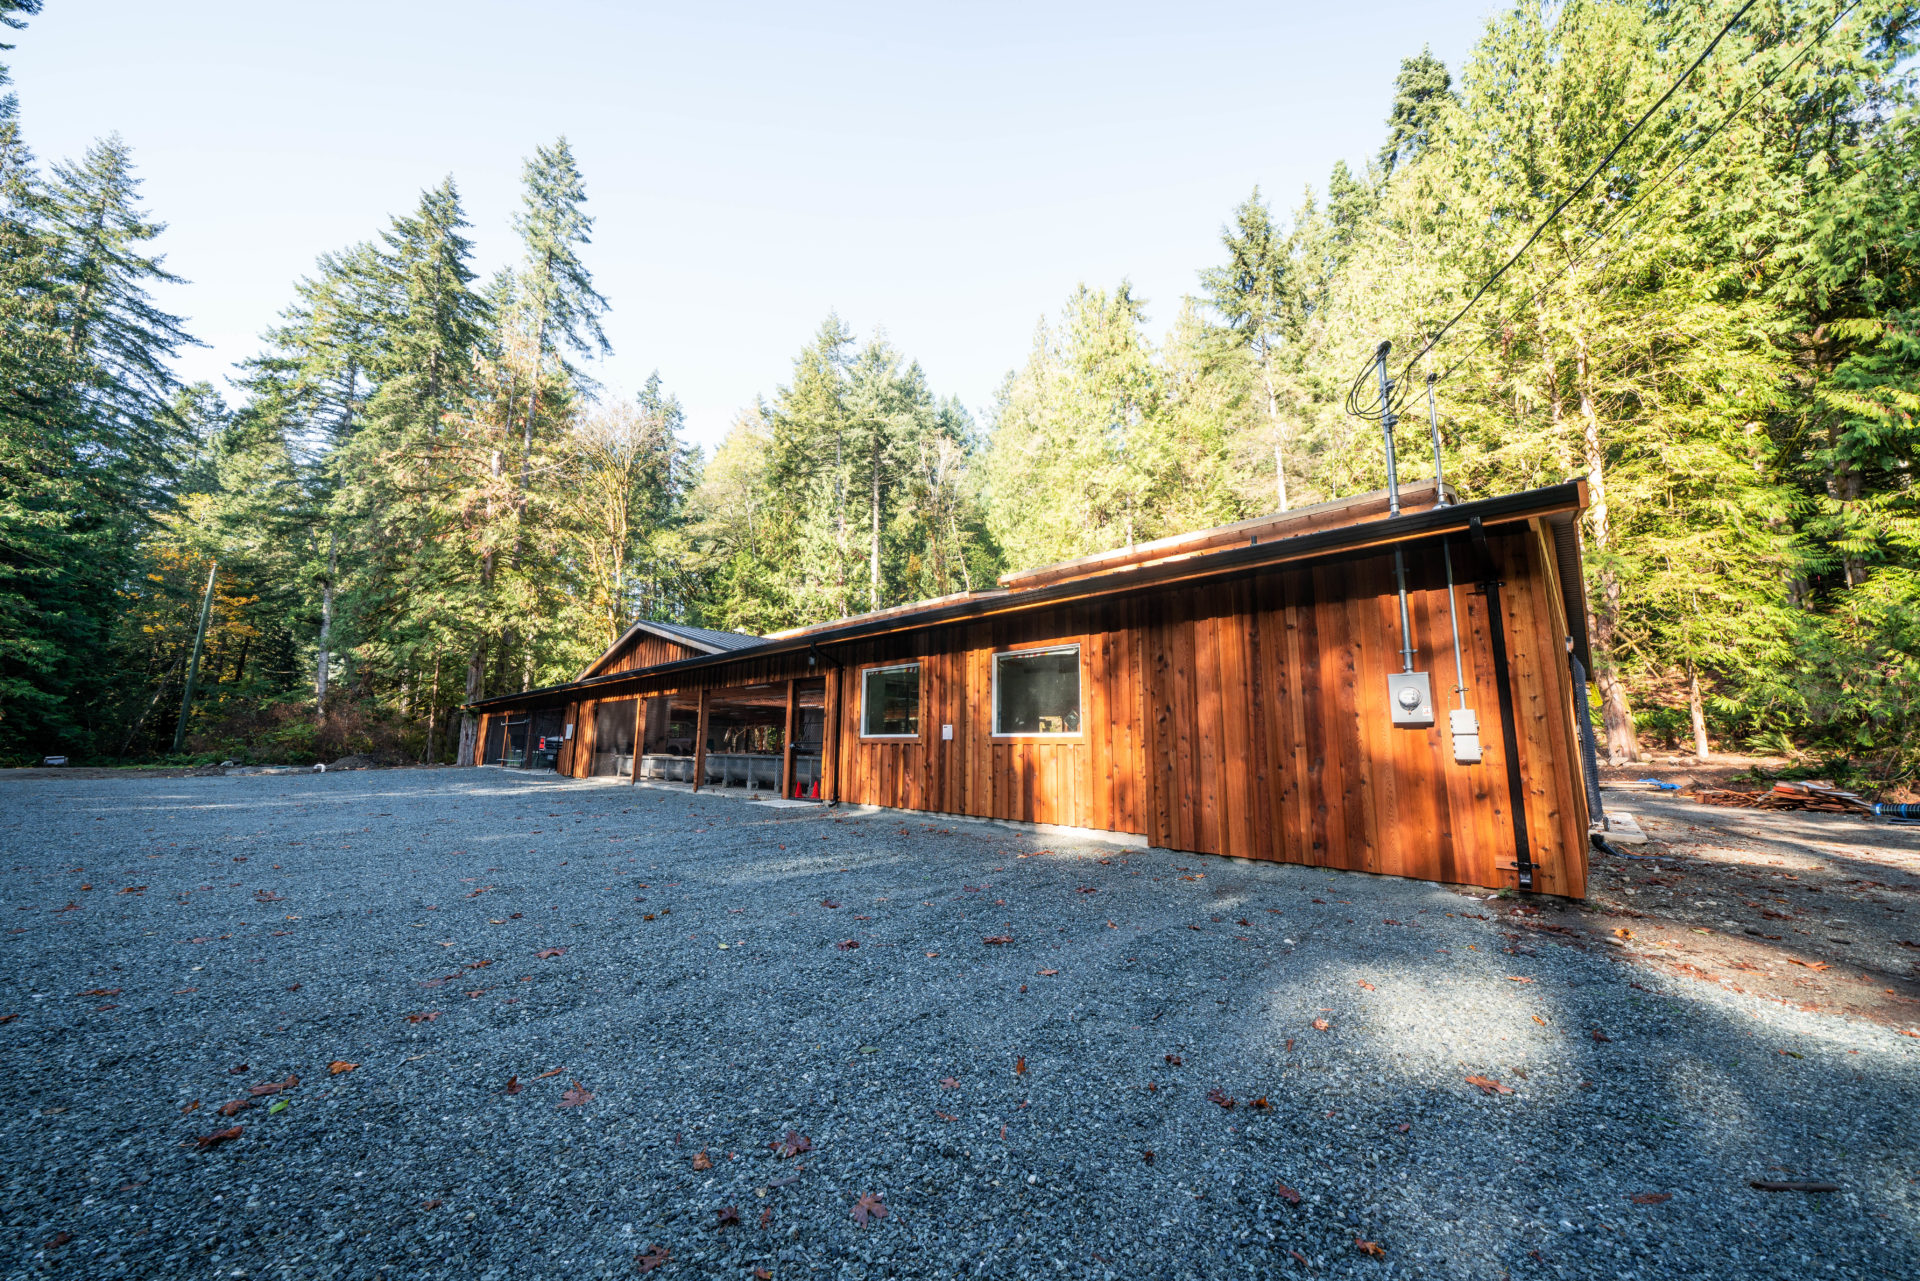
point(415, 493)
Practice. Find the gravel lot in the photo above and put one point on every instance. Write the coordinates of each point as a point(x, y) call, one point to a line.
point(685, 961)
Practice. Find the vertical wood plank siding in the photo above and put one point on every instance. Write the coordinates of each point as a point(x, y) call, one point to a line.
point(1243, 716)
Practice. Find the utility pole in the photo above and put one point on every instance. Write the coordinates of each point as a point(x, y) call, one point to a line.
point(193, 664)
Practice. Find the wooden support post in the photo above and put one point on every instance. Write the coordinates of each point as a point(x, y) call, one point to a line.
point(700, 745)
point(830, 741)
point(786, 753)
point(639, 739)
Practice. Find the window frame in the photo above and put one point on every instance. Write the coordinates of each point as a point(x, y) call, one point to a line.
point(914, 665)
point(993, 709)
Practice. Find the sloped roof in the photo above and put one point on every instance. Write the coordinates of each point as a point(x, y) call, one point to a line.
point(1559, 504)
point(704, 639)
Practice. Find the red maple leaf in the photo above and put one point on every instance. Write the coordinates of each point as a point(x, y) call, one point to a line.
point(793, 1145)
point(868, 1207)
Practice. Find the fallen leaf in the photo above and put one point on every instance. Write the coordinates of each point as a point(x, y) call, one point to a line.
point(1363, 982)
point(238, 1069)
point(218, 1136)
point(1173, 1060)
point(428, 1017)
point(1515, 978)
point(433, 1204)
point(1147, 1156)
point(513, 1085)
point(931, 955)
point(701, 1161)
point(272, 1087)
point(575, 1097)
point(655, 1257)
point(338, 1066)
point(102, 991)
point(546, 952)
point(1651, 1198)
point(1812, 965)
point(726, 1214)
point(827, 902)
point(1220, 1096)
point(999, 938)
point(57, 1240)
point(761, 1274)
point(1261, 1104)
point(868, 1207)
point(1600, 1036)
point(1369, 1248)
point(766, 1217)
point(1301, 1258)
point(191, 1107)
point(847, 945)
point(236, 1107)
point(1046, 974)
point(1321, 1025)
point(1020, 1065)
point(1287, 1194)
point(1489, 1086)
point(1623, 933)
point(278, 1106)
point(549, 1072)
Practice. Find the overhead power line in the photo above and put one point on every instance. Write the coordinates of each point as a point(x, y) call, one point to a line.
point(1360, 407)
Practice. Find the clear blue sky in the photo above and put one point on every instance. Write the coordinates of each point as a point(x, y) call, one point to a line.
point(946, 173)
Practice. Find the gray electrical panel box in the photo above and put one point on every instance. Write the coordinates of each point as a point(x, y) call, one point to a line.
point(1411, 698)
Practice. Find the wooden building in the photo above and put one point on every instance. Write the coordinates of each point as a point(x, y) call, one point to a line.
point(1263, 690)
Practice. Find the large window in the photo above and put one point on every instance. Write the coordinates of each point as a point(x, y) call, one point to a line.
point(890, 702)
point(1037, 692)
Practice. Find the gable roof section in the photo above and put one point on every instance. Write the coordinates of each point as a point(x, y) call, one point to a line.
point(703, 640)
point(1559, 504)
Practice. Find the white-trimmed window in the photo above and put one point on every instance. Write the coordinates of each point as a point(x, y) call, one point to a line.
point(890, 701)
point(1036, 693)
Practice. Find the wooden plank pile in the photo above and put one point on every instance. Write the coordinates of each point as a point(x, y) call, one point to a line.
point(1788, 796)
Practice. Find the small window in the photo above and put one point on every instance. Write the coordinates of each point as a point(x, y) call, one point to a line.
point(1037, 692)
point(890, 702)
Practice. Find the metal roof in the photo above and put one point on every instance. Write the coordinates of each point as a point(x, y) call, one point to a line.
point(1563, 501)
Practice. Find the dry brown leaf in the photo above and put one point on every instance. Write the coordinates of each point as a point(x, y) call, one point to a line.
point(576, 1097)
point(793, 1145)
point(1598, 1035)
point(1369, 1248)
point(1363, 983)
point(1020, 1065)
point(513, 1085)
point(272, 1087)
point(236, 1107)
point(1046, 974)
point(219, 1136)
point(998, 938)
point(546, 952)
point(1489, 1086)
point(1321, 1025)
point(428, 1017)
point(549, 1072)
point(1173, 1060)
point(432, 1203)
point(726, 1214)
point(1220, 1096)
point(1651, 1198)
point(701, 1161)
point(338, 1066)
point(868, 1207)
point(1287, 1194)
point(655, 1257)
point(950, 1083)
point(191, 1107)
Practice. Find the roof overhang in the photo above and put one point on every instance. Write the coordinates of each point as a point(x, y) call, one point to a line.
point(1564, 501)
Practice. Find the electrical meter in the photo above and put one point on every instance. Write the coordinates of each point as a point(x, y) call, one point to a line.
point(1411, 698)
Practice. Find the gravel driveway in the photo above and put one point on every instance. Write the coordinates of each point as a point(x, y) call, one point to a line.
point(580, 1015)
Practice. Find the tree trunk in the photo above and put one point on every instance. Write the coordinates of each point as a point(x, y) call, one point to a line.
point(476, 690)
point(1273, 422)
point(873, 554)
point(1698, 712)
point(1623, 741)
point(326, 627)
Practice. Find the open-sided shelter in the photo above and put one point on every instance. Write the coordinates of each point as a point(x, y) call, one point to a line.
point(1338, 686)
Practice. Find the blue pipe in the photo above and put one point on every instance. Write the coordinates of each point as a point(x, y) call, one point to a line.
point(1897, 811)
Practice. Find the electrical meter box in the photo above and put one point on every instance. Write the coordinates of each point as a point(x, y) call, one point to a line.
point(1411, 697)
point(1466, 736)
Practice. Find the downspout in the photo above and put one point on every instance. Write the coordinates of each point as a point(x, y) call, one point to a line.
point(1503, 686)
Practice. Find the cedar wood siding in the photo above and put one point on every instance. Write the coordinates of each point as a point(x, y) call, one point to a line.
point(1242, 715)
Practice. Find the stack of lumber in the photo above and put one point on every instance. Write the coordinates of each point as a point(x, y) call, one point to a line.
point(1788, 796)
